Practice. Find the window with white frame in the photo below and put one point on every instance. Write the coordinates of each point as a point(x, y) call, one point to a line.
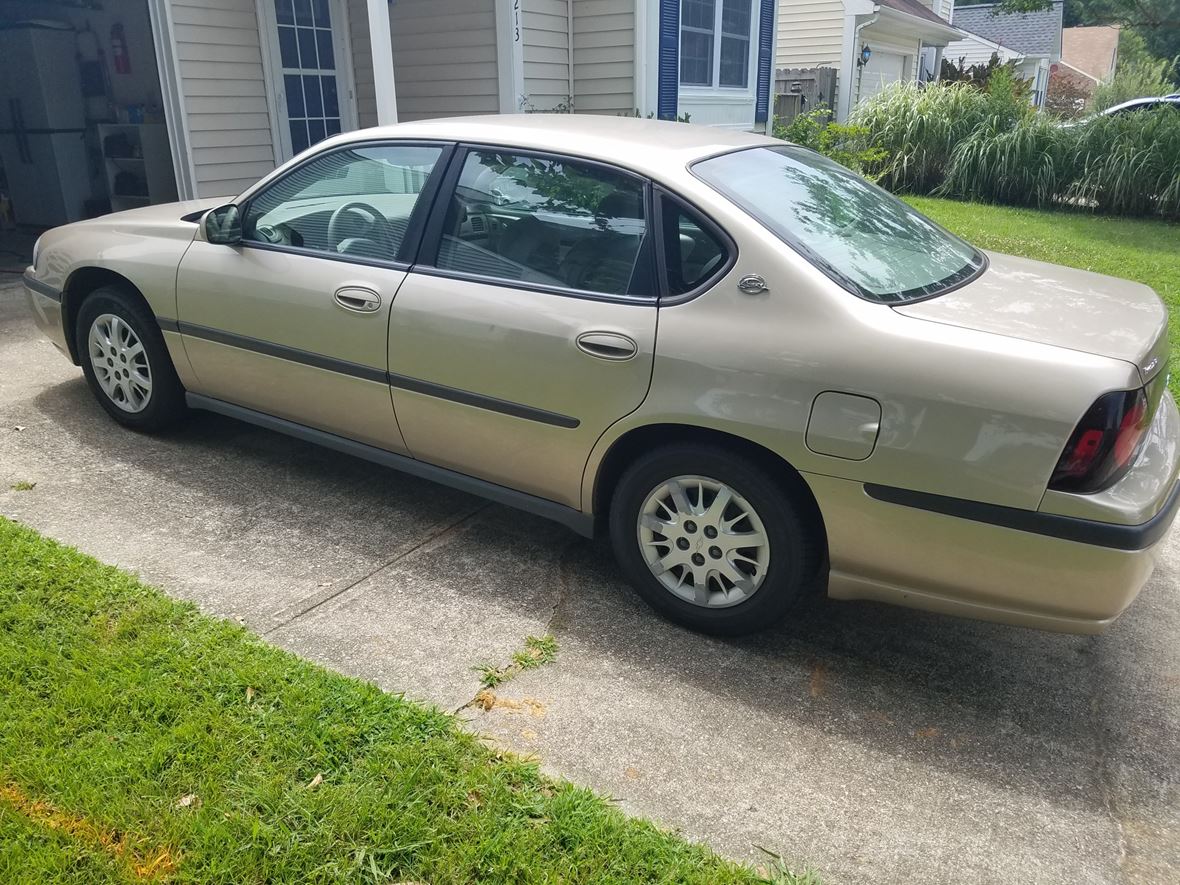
point(715, 43)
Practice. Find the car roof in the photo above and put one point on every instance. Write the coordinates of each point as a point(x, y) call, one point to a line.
point(1136, 102)
point(644, 145)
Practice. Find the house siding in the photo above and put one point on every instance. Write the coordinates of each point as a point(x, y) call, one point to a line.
point(810, 35)
point(882, 42)
point(941, 8)
point(545, 51)
point(974, 52)
point(224, 94)
point(604, 56)
point(444, 56)
point(362, 64)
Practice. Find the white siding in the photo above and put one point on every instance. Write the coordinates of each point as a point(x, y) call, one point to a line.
point(883, 43)
point(810, 35)
point(545, 47)
point(941, 8)
point(224, 93)
point(444, 59)
point(975, 52)
point(604, 56)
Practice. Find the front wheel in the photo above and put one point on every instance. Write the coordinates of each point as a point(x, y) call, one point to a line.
point(126, 362)
point(711, 539)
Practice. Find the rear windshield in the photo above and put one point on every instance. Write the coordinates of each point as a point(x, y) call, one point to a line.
point(866, 239)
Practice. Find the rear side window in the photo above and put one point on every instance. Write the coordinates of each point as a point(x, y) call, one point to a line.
point(545, 220)
point(355, 201)
point(692, 253)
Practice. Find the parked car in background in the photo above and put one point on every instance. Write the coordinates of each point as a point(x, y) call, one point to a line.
point(1144, 104)
point(757, 372)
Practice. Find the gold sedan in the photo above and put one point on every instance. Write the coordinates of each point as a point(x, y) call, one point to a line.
point(759, 373)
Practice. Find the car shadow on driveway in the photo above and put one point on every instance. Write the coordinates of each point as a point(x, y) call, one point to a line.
point(1088, 726)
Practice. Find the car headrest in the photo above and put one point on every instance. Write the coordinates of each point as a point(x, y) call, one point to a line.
point(621, 204)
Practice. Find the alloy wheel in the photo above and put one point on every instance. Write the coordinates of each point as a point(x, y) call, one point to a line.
point(120, 363)
point(703, 541)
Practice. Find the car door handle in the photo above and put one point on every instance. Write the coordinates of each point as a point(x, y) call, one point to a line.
point(607, 345)
point(357, 299)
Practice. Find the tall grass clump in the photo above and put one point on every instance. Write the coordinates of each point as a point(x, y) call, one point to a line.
point(1142, 78)
point(1125, 164)
point(919, 126)
point(1026, 163)
point(1128, 164)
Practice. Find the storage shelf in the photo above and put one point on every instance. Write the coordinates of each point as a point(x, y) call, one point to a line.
point(153, 166)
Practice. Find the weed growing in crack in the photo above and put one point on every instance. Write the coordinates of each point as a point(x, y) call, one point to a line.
point(537, 651)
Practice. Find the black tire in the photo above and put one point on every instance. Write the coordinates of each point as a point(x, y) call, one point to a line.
point(165, 403)
point(794, 540)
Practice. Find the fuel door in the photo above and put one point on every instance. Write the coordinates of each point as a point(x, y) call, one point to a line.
point(843, 425)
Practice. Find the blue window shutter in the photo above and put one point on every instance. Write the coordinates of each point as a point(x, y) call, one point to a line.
point(765, 60)
point(669, 60)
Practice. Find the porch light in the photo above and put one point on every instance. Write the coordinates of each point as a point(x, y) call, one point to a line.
point(865, 54)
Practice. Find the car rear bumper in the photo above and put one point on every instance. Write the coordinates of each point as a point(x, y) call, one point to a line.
point(1033, 568)
point(45, 303)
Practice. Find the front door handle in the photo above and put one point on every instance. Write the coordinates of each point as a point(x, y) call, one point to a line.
point(607, 345)
point(357, 300)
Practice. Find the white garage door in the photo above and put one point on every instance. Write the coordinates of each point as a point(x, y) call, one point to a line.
point(883, 68)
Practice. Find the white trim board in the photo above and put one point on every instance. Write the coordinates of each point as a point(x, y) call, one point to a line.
point(172, 96)
point(510, 55)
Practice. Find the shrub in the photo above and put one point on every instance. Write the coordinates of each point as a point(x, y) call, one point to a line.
point(847, 145)
point(1067, 98)
point(1142, 78)
point(979, 75)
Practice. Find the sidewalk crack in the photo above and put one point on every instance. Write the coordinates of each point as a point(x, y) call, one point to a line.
point(450, 528)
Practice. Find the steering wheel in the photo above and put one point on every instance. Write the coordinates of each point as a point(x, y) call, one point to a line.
point(376, 225)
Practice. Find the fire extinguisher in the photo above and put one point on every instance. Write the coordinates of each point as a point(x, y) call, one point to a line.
point(122, 61)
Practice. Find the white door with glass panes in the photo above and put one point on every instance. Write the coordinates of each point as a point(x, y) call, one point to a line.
point(310, 71)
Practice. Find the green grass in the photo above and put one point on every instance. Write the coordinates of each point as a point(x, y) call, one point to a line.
point(141, 740)
point(23, 486)
point(537, 651)
point(1138, 249)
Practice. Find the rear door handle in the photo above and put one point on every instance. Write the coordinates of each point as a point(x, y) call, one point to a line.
point(607, 345)
point(357, 300)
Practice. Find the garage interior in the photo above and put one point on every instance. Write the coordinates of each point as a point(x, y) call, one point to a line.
point(82, 127)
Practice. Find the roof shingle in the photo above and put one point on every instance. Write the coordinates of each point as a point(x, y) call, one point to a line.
point(1032, 33)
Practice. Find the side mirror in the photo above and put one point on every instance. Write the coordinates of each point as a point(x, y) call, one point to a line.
point(223, 225)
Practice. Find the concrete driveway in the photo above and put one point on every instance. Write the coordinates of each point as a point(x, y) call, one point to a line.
point(877, 745)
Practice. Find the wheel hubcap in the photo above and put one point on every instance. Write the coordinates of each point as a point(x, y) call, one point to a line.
point(120, 363)
point(703, 541)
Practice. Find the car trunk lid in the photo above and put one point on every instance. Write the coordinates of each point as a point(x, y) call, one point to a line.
point(1059, 306)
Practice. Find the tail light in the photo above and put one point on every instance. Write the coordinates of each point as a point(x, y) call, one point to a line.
point(1105, 443)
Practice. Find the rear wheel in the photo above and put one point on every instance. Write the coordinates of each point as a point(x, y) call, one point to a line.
point(126, 362)
point(712, 539)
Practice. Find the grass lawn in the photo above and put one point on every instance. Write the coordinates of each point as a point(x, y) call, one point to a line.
point(142, 741)
point(1141, 250)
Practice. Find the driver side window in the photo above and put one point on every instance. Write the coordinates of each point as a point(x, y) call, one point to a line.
point(355, 201)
